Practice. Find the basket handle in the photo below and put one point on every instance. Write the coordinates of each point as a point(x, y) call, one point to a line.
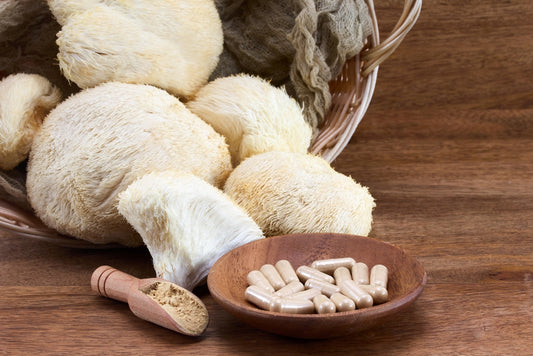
point(362, 70)
point(379, 52)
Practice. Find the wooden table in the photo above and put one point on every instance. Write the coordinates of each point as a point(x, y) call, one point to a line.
point(447, 151)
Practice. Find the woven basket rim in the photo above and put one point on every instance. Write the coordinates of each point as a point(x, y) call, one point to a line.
point(351, 92)
point(357, 82)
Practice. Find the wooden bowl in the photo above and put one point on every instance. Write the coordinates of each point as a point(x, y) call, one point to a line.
point(227, 282)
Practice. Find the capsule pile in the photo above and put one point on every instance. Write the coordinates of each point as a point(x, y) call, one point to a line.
point(327, 286)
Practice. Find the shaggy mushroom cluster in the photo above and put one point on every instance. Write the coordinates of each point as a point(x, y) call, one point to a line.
point(150, 153)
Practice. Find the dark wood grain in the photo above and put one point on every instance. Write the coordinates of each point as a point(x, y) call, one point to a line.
point(446, 149)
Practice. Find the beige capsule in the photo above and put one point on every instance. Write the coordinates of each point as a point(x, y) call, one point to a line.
point(331, 264)
point(323, 305)
point(294, 306)
point(257, 278)
point(379, 276)
point(286, 271)
point(326, 288)
point(378, 293)
point(341, 274)
point(352, 290)
point(306, 272)
point(273, 276)
point(261, 298)
point(308, 294)
point(360, 273)
point(342, 302)
point(290, 288)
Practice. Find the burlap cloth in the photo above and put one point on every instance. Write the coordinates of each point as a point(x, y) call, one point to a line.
point(301, 44)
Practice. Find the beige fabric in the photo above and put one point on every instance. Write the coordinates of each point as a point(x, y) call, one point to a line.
point(301, 44)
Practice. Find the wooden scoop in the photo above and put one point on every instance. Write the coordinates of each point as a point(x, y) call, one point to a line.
point(153, 299)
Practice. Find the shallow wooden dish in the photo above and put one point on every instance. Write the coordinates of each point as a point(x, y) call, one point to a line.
point(227, 282)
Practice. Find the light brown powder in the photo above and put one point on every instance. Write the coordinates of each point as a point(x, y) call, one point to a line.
point(183, 306)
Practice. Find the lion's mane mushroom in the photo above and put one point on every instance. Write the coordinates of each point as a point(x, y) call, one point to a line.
point(253, 115)
point(25, 99)
point(287, 192)
point(97, 142)
point(186, 224)
point(174, 45)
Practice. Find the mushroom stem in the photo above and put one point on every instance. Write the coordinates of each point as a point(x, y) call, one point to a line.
point(186, 223)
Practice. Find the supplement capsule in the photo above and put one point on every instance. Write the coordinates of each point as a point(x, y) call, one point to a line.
point(256, 278)
point(323, 305)
point(273, 276)
point(378, 293)
point(360, 273)
point(306, 294)
point(361, 298)
point(326, 288)
point(275, 304)
point(295, 306)
point(342, 302)
point(379, 276)
point(306, 272)
point(260, 297)
point(286, 271)
point(290, 288)
point(330, 265)
point(341, 274)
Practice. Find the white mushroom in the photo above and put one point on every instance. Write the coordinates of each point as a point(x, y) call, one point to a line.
point(63, 9)
point(186, 224)
point(253, 115)
point(287, 192)
point(172, 44)
point(97, 142)
point(25, 99)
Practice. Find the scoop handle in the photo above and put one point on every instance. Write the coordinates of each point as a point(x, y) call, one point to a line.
point(112, 283)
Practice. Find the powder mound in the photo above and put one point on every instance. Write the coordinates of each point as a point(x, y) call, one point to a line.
point(187, 310)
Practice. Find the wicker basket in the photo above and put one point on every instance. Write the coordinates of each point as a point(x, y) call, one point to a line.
point(351, 93)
